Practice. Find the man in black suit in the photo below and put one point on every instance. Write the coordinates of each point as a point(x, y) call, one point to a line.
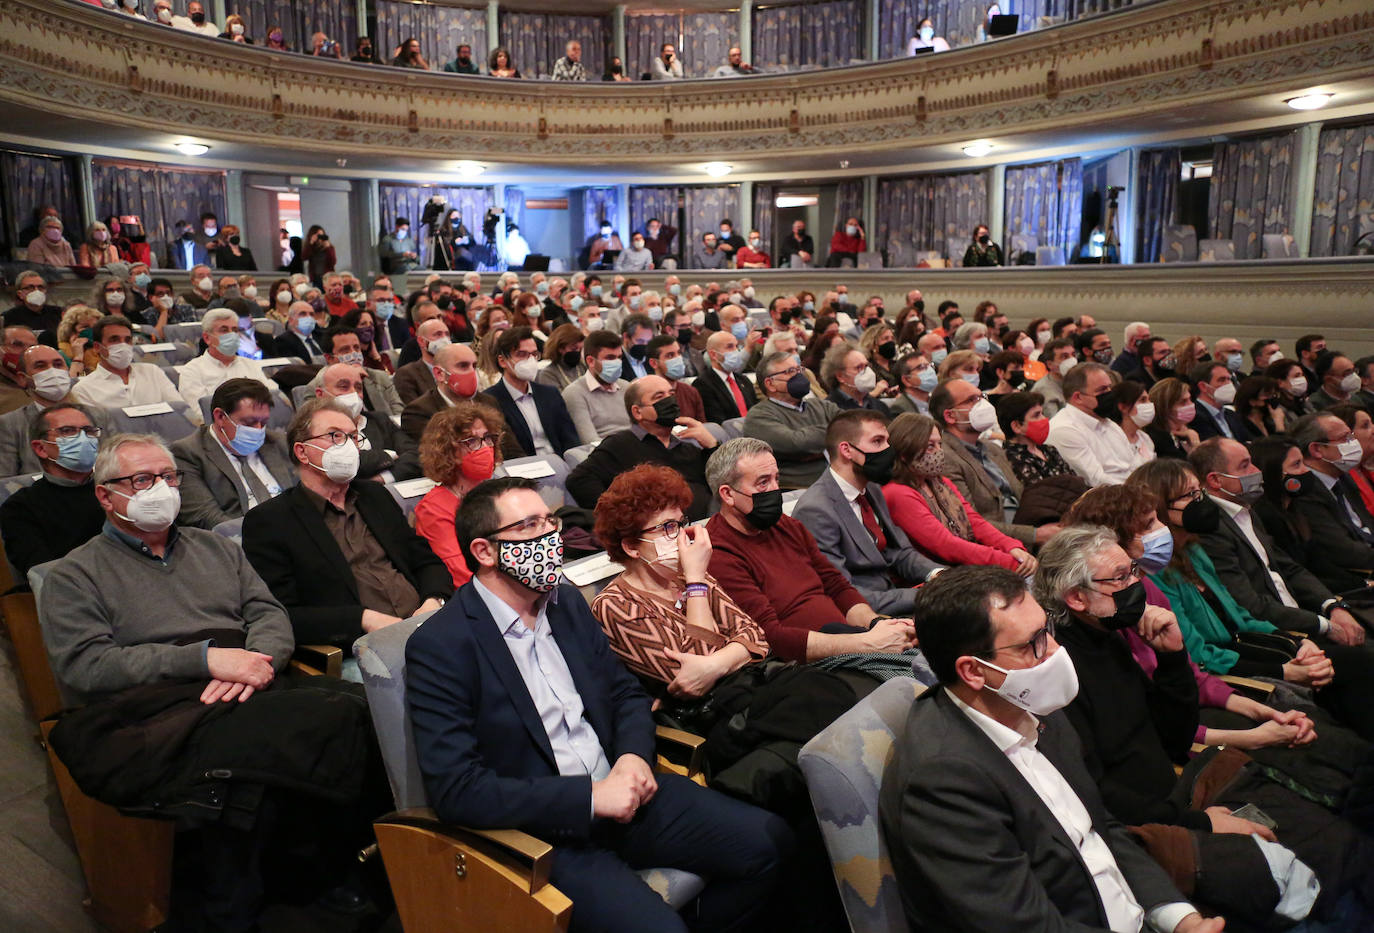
point(725, 391)
point(336, 553)
point(1340, 546)
point(535, 413)
point(388, 454)
point(524, 719)
point(298, 339)
point(990, 817)
point(1213, 390)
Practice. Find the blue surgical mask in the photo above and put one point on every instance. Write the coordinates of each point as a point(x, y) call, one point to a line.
point(740, 330)
point(247, 439)
point(1234, 361)
point(1159, 550)
point(938, 356)
point(927, 33)
point(542, 289)
point(385, 309)
point(982, 345)
point(77, 453)
point(596, 291)
point(576, 303)
point(635, 301)
point(929, 379)
point(808, 306)
point(305, 325)
point(733, 361)
point(656, 313)
point(675, 368)
point(675, 289)
point(228, 344)
point(143, 279)
point(970, 378)
point(610, 371)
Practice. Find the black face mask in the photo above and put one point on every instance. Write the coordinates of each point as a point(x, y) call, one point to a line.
point(1297, 483)
point(871, 321)
point(888, 350)
point(1015, 377)
point(667, 411)
point(197, 18)
point(784, 318)
point(445, 303)
point(234, 241)
point(712, 320)
point(188, 236)
point(877, 466)
point(684, 335)
point(1105, 406)
point(798, 386)
point(639, 350)
point(571, 358)
point(1130, 606)
point(1201, 516)
point(767, 509)
point(985, 239)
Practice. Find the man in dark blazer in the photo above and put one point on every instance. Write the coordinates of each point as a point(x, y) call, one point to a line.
point(455, 369)
point(225, 476)
point(389, 453)
point(185, 251)
point(975, 845)
point(840, 506)
point(1340, 546)
point(299, 339)
point(524, 719)
point(530, 407)
point(1213, 389)
point(416, 378)
point(337, 553)
point(722, 352)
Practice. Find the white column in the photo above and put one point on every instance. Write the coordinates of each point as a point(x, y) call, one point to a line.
point(872, 46)
point(745, 218)
point(217, 12)
point(494, 27)
point(87, 181)
point(372, 228)
point(870, 215)
point(746, 30)
point(1127, 209)
point(362, 21)
point(618, 34)
point(235, 208)
point(622, 214)
point(1304, 186)
point(996, 203)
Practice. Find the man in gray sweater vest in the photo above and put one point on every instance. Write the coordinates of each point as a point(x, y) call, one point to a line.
point(794, 428)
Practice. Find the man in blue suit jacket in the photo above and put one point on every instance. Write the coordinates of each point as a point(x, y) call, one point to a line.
point(535, 413)
point(184, 251)
point(523, 718)
point(1213, 390)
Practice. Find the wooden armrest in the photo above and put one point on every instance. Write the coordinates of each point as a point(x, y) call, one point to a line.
point(1296, 634)
point(1198, 748)
point(1264, 690)
point(528, 856)
point(318, 660)
point(694, 747)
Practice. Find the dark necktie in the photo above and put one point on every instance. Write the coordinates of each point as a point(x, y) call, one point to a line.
point(1344, 499)
point(870, 520)
point(255, 486)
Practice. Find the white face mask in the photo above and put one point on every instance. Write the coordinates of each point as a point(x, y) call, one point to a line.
point(249, 291)
point(666, 556)
point(340, 464)
point(35, 298)
point(1042, 337)
point(1351, 383)
point(982, 416)
point(204, 283)
point(283, 297)
point(437, 344)
point(353, 402)
point(166, 302)
point(237, 30)
point(866, 381)
point(1066, 365)
point(52, 384)
point(114, 299)
point(526, 370)
point(1144, 414)
point(1298, 386)
point(120, 355)
point(1351, 455)
point(1050, 685)
point(1226, 394)
point(300, 289)
point(153, 509)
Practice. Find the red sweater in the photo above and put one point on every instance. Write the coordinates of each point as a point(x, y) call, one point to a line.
point(842, 242)
point(747, 254)
point(782, 580)
point(912, 514)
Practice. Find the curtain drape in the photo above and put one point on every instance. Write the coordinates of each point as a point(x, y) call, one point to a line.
point(536, 40)
point(705, 207)
point(1251, 193)
point(337, 19)
point(158, 196)
point(956, 21)
point(408, 201)
point(706, 40)
point(1157, 176)
point(802, 35)
point(600, 204)
point(1045, 201)
point(645, 34)
point(849, 202)
point(763, 214)
point(1343, 203)
point(29, 182)
point(929, 212)
point(660, 203)
point(440, 30)
point(515, 206)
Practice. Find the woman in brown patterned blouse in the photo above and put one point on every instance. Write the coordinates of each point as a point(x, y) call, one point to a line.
point(665, 616)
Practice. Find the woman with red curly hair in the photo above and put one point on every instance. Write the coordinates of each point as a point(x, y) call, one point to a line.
point(460, 448)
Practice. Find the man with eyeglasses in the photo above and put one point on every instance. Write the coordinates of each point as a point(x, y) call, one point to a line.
point(336, 550)
point(119, 382)
point(58, 512)
point(232, 464)
point(660, 434)
point(343, 345)
point(1093, 444)
point(1340, 547)
point(793, 426)
point(388, 453)
point(32, 309)
point(536, 414)
point(17, 340)
point(989, 813)
point(1134, 729)
point(916, 376)
point(525, 719)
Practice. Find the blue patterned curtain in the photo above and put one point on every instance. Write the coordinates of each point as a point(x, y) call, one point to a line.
point(515, 206)
point(158, 196)
point(929, 212)
point(1157, 176)
point(849, 201)
point(408, 201)
point(29, 182)
point(537, 40)
point(440, 30)
point(1045, 201)
point(706, 40)
point(705, 207)
point(337, 19)
point(763, 214)
point(645, 34)
point(1343, 204)
point(1251, 193)
point(823, 34)
point(654, 202)
point(600, 204)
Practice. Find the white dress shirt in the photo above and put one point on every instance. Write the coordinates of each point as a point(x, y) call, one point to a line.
point(204, 374)
point(525, 402)
point(147, 385)
point(1330, 483)
point(851, 494)
point(254, 463)
point(1095, 447)
point(1124, 913)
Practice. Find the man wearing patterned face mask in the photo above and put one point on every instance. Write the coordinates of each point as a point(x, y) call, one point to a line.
point(377, 573)
point(219, 363)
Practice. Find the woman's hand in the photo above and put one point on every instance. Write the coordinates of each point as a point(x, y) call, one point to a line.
point(696, 674)
point(1026, 564)
point(694, 552)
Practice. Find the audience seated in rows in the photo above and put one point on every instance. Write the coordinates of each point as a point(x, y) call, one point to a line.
point(45, 382)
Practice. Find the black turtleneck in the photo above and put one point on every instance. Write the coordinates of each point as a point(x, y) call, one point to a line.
point(45, 521)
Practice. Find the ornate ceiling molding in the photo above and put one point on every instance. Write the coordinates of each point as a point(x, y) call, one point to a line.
point(1138, 62)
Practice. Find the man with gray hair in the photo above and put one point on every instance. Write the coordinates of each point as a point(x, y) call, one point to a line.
point(299, 337)
point(32, 309)
point(792, 426)
point(770, 566)
point(1340, 548)
point(1127, 362)
point(219, 363)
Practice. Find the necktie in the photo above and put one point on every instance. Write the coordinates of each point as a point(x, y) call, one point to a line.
point(313, 348)
point(255, 485)
point(739, 396)
point(1345, 500)
point(870, 520)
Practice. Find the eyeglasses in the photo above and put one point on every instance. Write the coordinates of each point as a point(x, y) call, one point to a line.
point(786, 373)
point(533, 526)
point(668, 529)
point(1037, 644)
point(1194, 496)
point(142, 481)
point(1121, 579)
point(337, 438)
point(477, 442)
point(72, 430)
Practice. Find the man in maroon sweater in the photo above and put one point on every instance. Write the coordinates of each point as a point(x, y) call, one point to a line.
point(770, 566)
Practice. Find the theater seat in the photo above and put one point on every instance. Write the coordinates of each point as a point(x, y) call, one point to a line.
point(1279, 246)
point(299, 394)
point(170, 426)
point(549, 471)
point(1021, 243)
point(870, 260)
point(1216, 251)
point(446, 877)
point(844, 767)
point(1049, 256)
point(1180, 243)
point(231, 529)
point(575, 455)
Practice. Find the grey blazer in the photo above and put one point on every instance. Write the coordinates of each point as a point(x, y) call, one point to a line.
point(974, 847)
point(980, 490)
point(16, 455)
point(844, 540)
point(211, 491)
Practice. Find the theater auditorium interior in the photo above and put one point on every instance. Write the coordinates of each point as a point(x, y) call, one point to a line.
point(713, 465)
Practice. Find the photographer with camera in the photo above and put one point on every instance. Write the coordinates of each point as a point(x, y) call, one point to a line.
point(667, 67)
point(982, 251)
point(318, 254)
point(325, 47)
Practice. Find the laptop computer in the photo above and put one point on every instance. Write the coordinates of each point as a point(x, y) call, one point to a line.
point(534, 262)
point(1003, 24)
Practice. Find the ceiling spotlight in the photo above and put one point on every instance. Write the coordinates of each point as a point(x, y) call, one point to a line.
point(191, 149)
point(1309, 101)
point(469, 169)
point(977, 150)
point(716, 169)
